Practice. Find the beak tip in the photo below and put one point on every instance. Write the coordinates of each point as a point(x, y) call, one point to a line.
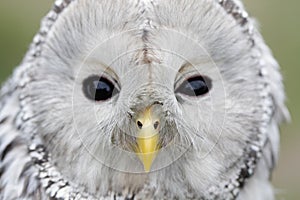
point(146, 169)
point(147, 151)
point(147, 161)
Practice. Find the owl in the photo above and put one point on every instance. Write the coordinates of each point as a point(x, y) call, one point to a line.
point(142, 99)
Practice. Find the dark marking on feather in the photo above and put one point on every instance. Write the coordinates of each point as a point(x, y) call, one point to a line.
point(130, 198)
point(2, 121)
point(9, 147)
point(25, 186)
point(27, 166)
point(2, 169)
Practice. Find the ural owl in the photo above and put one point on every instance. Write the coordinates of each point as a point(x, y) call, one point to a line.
point(142, 99)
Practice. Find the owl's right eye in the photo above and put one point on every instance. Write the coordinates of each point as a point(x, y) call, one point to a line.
point(98, 88)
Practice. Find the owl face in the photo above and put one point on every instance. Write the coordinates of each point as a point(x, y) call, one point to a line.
point(150, 102)
point(120, 91)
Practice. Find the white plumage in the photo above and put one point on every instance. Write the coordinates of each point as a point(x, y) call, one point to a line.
point(142, 99)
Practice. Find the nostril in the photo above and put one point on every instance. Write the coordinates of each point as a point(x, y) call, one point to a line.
point(156, 124)
point(139, 124)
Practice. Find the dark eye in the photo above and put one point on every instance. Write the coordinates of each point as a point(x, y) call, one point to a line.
point(98, 88)
point(195, 86)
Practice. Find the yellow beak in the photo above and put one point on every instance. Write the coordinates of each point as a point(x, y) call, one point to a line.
point(147, 138)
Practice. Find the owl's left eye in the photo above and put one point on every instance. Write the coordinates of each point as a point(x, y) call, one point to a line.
point(194, 86)
point(98, 88)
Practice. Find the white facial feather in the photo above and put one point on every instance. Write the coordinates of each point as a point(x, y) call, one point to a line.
point(147, 49)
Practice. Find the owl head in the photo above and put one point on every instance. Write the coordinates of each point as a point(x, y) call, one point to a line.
point(128, 92)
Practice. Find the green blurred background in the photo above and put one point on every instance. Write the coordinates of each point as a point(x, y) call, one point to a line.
point(280, 25)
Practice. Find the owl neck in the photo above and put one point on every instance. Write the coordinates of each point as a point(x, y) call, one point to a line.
point(57, 186)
